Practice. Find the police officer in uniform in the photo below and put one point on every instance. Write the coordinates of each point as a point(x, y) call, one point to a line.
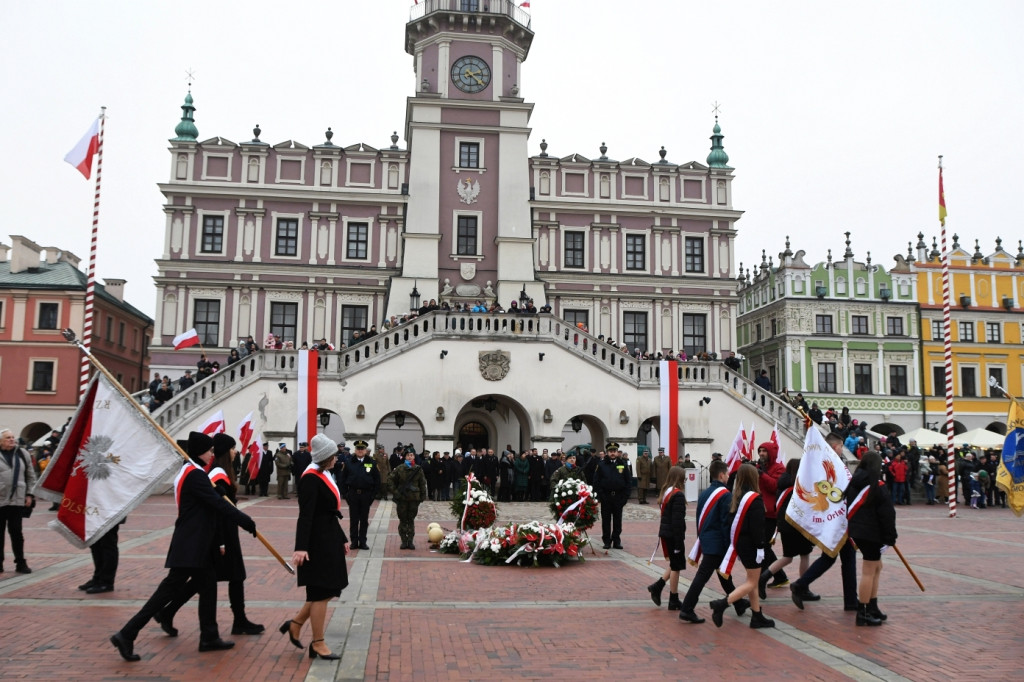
point(408, 486)
point(360, 480)
point(300, 460)
point(612, 482)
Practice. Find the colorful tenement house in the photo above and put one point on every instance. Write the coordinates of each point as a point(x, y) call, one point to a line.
point(842, 333)
point(987, 331)
point(42, 291)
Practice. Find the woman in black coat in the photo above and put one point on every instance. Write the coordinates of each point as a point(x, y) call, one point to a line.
point(672, 532)
point(794, 544)
point(319, 556)
point(872, 524)
point(229, 563)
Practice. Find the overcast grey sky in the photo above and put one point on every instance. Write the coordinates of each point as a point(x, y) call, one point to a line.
point(833, 112)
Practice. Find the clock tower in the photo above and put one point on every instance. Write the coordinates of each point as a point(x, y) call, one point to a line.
point(467, 231)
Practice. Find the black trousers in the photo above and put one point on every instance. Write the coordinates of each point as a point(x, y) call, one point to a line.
point(611, 516)
point(236, 597)
point(105, 555)
point(10, 522)
point(848, 557)
point(170, 587)
point(708, 565)
point(358, 515)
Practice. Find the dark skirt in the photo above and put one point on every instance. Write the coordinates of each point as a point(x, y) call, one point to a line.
point(676, 560)
point(318, 593)
point(794, 544)
point(746, 552)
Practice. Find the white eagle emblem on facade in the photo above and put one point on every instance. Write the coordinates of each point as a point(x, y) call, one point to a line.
point(468, 192)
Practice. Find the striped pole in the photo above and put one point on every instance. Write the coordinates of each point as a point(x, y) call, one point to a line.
point(90, 282)
point(948, 345)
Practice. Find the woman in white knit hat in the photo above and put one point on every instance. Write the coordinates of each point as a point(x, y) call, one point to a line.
point(319, 556)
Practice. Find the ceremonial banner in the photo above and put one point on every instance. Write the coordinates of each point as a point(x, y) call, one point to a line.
point(668, 372)
point(110, 459)
point(817, 508)
point(1010, 474)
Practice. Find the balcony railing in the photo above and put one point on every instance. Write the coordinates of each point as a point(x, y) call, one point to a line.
point(483, 7)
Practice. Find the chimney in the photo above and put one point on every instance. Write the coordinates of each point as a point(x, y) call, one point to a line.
point(25, 254)
point(69, 258)
point(4, 250)
point(115, 287)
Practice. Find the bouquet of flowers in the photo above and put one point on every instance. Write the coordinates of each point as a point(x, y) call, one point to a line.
point(547, 544)
point(573, 501)
point(452, 543)
point(473, 505)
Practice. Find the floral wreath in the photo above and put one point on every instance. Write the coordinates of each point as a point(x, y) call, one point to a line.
point(527, 544)
point(473, 505)
point(572, 501)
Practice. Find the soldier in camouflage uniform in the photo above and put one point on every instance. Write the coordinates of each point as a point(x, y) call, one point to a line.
point(567, 470)
point(408, 486)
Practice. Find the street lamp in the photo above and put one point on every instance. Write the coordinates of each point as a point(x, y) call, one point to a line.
point(523, 297)
point(414, 297)
point(399, 419)
point(325, 418)
point(576, 424)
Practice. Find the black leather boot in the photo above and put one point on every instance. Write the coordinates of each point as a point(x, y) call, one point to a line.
point(758, 621)
point(873, 610)
point(673, 601)
point(655, 590)
point(864, 617)
point(762, 583)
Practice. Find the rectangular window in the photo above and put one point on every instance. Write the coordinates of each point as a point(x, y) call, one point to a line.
point(939, 381)
point(966, 331)
point(213, 234)
point(48, 315)
point(42, 375)
point(862, 379)
point(775, 327)
point(120, 334)
point(993, 332)
point(636, 252)
point(826, 377)
point(859, 324)
point(574, 249)
point(206, 319)
point(287, 241)
point(357, 240)
point(634, 330)
point(822, 324)
point(695, 338)
point(968, 382)
point(353, 319)
point(575, 317)
point(110, 328)
point(283, 319)
point(694, 254)
point(469, 155)
point(466, 238)
point(757, 331)
point(937, 332)
point(894, 326)
point(997, 374)
point(898, 380)
point(470, 5)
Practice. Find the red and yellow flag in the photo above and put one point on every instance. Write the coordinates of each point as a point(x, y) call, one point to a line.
point(942, 200)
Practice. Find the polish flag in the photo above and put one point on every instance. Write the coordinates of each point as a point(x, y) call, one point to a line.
point(255, 451)
point(778, 443)
point(307, 395)
point(669, 376)
point(735, 456)
point(525, 4)
point(81, 156)
point(186, 339)
point(111, 458)
point(245, 433)
point(249, 443)
point(751, 444)
point(214, 424)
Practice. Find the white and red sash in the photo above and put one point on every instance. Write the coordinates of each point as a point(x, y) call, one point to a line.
point(858, 501)
point(696, 553)
point(734, 534)
point(326, 478)
point(179, 482)
point(218, 475)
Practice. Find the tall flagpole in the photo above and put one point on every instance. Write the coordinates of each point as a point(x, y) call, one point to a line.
point(90, 282)
point(948, 345)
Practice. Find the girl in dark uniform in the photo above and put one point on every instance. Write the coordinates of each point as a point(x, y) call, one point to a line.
point(747, 536)
point(319, 556)
point(872, 524)
point(794, 544)
point(672, 532)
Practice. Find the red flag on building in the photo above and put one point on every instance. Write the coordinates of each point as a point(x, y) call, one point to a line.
point(186, 339)
point(112, 457)
point(81, 156)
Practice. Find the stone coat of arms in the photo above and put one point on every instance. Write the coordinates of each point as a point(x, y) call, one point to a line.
point(494, 364)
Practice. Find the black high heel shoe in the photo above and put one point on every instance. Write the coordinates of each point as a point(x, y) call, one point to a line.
point(313, 653)
point(286, 629)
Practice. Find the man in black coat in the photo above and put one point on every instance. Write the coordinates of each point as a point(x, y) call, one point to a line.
point(360, 480)
point(612, 481)
point(487, 470)
point(301, 460)
point(192, 551)
point(266, 470)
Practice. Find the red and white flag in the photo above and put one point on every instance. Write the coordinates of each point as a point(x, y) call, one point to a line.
point(81, 156)
point(255, 451)
point(525, 4)
point(214, 424)
point(307, 395)
point(751, 450)
point(669, 376)
point(112, 457)
point(735, 457)
point(249, 442)
point(817, 508)
point(186, 339)
point(780, 457)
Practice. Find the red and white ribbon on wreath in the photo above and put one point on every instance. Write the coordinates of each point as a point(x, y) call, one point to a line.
point(470, 479)
point(583, 498)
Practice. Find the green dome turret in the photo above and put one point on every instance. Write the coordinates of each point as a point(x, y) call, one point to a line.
point(717, 158)
point(186, 130)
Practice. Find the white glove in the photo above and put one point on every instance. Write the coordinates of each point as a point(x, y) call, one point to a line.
point(760, 556)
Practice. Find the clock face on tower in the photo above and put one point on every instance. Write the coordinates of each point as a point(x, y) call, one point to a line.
point(471, 74)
